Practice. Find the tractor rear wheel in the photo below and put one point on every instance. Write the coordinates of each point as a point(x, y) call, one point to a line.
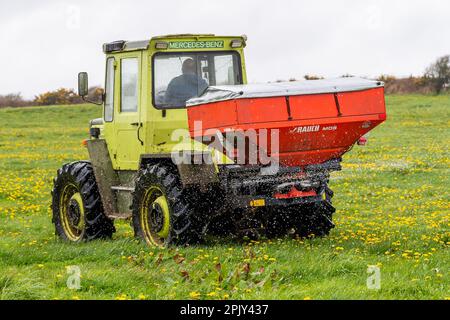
point(278, 222)
point(77, 208)
point(162, 213)
point(305, 220)
point(315, 220)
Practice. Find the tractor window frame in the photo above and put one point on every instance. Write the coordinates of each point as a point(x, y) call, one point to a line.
point(113, 89)
point(235, 54)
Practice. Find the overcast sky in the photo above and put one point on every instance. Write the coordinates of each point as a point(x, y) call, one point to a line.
point(45, 43)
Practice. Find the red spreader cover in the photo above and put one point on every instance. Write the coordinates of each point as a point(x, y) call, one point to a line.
point(313, 128)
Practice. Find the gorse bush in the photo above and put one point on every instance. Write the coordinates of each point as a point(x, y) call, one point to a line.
point(67, 96)
point(59, 97)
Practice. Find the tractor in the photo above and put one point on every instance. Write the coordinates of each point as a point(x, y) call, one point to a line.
point(186, 148)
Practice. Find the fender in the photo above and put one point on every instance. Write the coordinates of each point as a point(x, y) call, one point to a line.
point(196, 168)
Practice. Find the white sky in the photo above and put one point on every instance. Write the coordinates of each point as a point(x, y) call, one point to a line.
point(45, 43)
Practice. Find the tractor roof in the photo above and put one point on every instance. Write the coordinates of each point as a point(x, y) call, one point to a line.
point(122, 45)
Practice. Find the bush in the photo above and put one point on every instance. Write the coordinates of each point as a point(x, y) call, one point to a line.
point(67, 96)
point(387, 78)
point(60, 96)
point(13, 100)
point(438, 74)
point(96, 94)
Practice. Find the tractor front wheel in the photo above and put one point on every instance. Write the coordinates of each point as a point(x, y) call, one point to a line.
point(162, 214)
point(77, 208)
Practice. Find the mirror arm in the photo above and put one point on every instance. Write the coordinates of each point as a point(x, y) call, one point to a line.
point(93, 102)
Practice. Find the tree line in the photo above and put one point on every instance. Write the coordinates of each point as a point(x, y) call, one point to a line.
point(58, 97)
point(435, 80)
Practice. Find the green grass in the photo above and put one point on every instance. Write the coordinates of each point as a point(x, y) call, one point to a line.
point(393, 210)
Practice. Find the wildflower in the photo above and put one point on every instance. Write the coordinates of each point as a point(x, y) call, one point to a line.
point(194, 295)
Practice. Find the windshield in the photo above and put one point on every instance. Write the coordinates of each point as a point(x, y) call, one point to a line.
point(182, 76)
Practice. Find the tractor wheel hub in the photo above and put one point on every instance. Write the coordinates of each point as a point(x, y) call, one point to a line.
point(74, 212)
point(156, 218)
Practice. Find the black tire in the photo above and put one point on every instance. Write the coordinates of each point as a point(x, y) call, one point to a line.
point(222, 226)
point(315, 220)
point(75, 198)
point(278, 222)
point(184, 228)
point(305, 220)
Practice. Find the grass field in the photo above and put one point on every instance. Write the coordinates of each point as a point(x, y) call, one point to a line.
point(393, 211)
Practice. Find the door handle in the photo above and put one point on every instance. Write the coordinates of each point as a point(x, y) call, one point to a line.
point(140, 125)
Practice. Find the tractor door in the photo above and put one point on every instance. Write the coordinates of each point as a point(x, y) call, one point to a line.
point(128, 126)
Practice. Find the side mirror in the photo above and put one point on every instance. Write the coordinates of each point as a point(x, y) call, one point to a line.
point(83, 84)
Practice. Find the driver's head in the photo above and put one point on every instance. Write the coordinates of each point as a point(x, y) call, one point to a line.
point(189, 66)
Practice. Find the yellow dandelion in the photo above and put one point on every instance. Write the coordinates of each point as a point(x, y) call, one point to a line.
point(194, 295)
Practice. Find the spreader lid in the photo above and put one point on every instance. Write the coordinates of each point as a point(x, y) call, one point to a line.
point(281, 89)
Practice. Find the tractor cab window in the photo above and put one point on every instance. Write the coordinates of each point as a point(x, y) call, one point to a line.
point(109, 90)
point(180, 77)
point(129, 85)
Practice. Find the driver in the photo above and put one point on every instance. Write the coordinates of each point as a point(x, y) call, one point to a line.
point(186, 86)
